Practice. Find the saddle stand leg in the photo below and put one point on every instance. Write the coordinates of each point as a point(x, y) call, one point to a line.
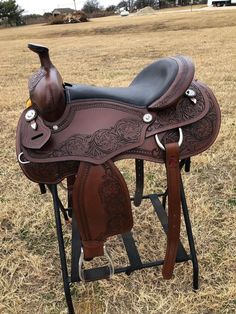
point(193, 256)
point(61, 245)
point(75, 251)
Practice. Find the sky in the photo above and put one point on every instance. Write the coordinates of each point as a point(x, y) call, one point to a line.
point(42, 6)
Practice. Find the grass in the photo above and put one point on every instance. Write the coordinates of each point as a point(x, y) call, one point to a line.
point(110, 52)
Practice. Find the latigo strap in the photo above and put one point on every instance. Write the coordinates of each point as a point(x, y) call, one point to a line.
point(174, 211)
point(102, 205)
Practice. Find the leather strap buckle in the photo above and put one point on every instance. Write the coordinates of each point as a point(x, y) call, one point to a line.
point(82, 260)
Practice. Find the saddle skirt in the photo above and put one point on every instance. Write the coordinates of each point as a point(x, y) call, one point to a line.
point(97, 130)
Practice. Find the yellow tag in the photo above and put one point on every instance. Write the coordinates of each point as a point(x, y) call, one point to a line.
point(28, 103)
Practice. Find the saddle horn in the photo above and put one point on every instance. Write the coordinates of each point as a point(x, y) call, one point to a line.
point(46, 87)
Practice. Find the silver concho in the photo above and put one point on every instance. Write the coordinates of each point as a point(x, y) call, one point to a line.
point(147, 118)
point(30, 115)
point(190, 93)
point(55, 127)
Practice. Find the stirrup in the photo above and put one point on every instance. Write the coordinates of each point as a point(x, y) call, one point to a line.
point(108, 257)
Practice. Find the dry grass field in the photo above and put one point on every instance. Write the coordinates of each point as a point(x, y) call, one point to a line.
point(110, 52)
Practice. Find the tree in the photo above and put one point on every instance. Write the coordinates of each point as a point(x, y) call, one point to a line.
point(127, 4)
point(10, 12)
point(131, 4)
point(144, 3)
point(91, 6)
point(123, 4)
point(111, 8)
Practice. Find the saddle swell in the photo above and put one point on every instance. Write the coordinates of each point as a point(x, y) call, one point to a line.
point(79, 131)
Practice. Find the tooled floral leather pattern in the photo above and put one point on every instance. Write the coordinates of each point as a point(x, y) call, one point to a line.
point(111, 193)
point(50, 173)
point(184, 111)
point(102, 142)
point(197, 136)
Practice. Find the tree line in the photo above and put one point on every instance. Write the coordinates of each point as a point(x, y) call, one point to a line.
point(10, 13)
point(91, 6)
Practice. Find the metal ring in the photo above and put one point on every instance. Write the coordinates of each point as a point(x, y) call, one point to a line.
point(21, 161)
point(180, 142)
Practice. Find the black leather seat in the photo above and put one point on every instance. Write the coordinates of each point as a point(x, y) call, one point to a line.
point(148, 86)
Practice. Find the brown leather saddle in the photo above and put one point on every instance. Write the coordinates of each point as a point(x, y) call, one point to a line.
point(164, 116)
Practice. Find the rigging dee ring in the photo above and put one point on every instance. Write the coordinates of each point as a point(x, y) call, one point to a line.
point(180, 142)
point(21, 161)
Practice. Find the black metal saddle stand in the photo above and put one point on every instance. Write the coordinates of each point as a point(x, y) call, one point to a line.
point(159, 204)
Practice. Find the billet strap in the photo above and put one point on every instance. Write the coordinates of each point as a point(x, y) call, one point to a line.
point(70, 184)
point(42, 188)
point(139, 170)
point(174, 208)
point(101, 204)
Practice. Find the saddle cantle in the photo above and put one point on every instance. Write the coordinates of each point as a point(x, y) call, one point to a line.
point(77, 130)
